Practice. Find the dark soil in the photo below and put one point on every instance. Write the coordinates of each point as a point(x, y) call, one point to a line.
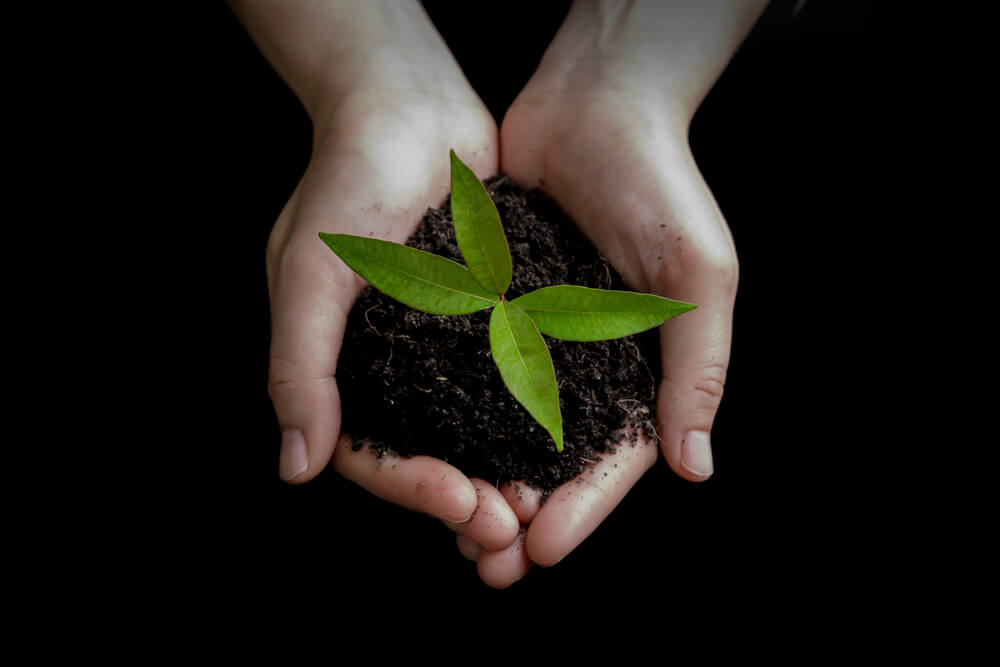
point(414, 383)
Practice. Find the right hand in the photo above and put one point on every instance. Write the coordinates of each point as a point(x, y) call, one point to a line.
point(380, 159)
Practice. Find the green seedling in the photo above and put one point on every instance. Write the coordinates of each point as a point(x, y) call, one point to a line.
point(437, 285)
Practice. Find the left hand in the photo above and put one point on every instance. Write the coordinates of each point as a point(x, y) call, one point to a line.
point(628, 181)
point(602, 137)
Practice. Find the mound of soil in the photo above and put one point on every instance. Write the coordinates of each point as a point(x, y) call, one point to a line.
point(414, 383)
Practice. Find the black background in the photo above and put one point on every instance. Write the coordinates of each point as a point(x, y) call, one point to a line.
point(791, 141)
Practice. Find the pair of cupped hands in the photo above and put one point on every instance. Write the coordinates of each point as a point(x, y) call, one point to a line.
point(618, 163)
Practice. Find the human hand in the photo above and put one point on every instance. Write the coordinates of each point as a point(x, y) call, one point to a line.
point(530, 533)
point(386, 109)
point(602, 129)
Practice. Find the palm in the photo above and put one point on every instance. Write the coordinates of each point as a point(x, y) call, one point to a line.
point(627, 179)
point(378, 164)
point(387, 100)
point(624, 176)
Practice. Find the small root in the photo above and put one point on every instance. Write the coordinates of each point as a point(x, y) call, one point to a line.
point(634, 401)
point(370, 325)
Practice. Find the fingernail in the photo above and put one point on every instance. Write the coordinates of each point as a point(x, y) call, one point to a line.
point(294, 460)
point(458, 522)
point(696, 453)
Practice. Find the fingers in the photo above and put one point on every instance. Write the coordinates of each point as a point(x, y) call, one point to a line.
point(309, 305)
point(493, 524)
point(421, 483)
point(577, 507)
point(550, 532)
point(500, 569)
point(494, 538)
point(488, 529)
point(694, 356)
point(524, 500)
point(468, 547)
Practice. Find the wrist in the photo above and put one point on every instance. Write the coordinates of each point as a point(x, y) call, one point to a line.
point(393, 48)
point(327, 50)
point(666, 53)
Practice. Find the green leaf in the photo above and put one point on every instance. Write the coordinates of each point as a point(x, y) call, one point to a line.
point(419, 279)
point(526, 367)
point(478, 230)
point(570, 312)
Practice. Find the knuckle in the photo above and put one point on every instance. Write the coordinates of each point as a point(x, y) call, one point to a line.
point(302, 261)
point(281, 374)
point(714, 266)
point(710, 382)
point(726, 270)
point(721, 268)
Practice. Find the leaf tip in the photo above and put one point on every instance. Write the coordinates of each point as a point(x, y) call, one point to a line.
point(329, 239)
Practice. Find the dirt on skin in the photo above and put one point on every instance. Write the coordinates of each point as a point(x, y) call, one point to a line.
point(413, 383)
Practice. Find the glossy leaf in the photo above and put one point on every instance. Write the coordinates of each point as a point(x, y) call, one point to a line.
point(421, 280)
point(478, 230)
point(526, 367)
point(570, 312)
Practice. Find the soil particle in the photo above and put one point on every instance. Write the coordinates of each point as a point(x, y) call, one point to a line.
point(412, 383)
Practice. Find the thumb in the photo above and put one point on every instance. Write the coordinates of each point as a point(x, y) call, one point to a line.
point(310, 300)
point(695, 355)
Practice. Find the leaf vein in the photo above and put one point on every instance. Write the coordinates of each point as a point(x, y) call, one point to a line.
point(588, 312)
point(395, 269)
point(517, 348)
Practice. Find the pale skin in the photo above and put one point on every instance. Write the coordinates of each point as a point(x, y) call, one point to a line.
point(601, 127)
